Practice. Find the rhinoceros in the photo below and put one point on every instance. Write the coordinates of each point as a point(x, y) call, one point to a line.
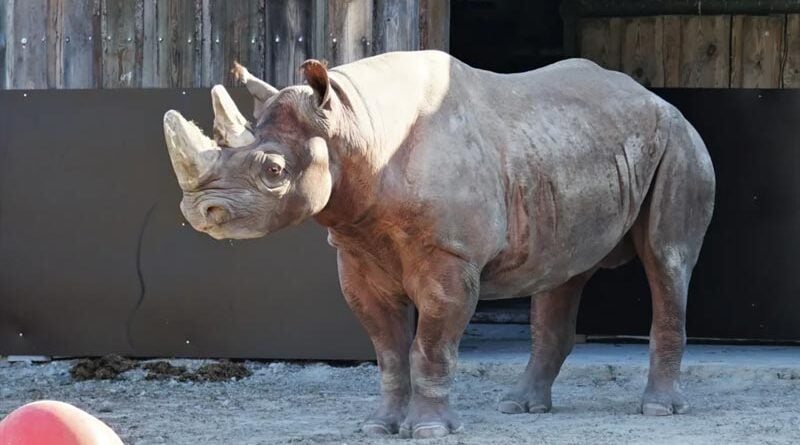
point(441, 185)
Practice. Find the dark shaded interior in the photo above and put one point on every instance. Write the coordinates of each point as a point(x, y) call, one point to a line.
point(506, 36)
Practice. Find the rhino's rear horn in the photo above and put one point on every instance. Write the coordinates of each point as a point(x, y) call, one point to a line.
point(230, 127)
point(260, 90)
point(191, 152)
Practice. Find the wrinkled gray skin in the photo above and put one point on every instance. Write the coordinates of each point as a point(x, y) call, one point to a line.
point(441, 185)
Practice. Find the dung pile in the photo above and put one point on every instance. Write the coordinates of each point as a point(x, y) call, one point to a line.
point(103, 368)
point(213, 372)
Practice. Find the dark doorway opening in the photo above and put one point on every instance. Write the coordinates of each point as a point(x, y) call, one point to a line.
point(506, 36)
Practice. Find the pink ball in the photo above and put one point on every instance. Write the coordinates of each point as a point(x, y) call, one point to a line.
point(48, 422)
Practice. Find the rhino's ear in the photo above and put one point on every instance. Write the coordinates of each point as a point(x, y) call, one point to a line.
point(316, 74)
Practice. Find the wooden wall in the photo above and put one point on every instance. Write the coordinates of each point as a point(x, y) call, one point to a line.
point(191, 43)
point(697, 51)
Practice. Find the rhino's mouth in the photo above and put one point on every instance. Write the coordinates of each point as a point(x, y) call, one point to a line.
point(229, 230)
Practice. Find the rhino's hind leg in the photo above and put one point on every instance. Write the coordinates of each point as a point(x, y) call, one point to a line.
point(668, 235)
point(553, 317)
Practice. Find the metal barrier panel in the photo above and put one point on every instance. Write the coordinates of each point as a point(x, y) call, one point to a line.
point(94, 256)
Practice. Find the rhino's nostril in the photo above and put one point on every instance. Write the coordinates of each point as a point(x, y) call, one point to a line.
point(216, 214)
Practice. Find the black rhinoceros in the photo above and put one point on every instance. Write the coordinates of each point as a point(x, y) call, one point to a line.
point(442, 185)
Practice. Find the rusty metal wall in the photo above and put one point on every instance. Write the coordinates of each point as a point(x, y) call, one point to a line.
point(94, 257)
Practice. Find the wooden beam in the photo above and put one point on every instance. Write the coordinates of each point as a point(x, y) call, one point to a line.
point(434, 24)
point(791, 68)
point(27, 46)
point(396, 25)
point(288, 40)
point(630, 8)
point(349, 30)
point(4, 32)
point(601, 41)
point(70, 43)
point(122, 35)
point(236, 32)
point(176, 43)
point(641, 53)
point(756, 51)
point(704, 52)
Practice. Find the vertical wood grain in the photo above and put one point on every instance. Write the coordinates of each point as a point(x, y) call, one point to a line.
point(71, 27)
point(176, 48)
point(236, 33)
point(600, 40)
point(319, 33)
point(642, 43)
point(756, 51)
point(26, 51)
point(349, 29)
point(396, 25)
point(434, 27)
point(791, 68)
point(4, 32)
point(122, 33)
point(671, 50)
point(289, 37)
point(705, 52)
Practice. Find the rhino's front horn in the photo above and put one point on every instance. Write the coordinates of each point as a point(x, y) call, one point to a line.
point(230, 127)
point(191, 152)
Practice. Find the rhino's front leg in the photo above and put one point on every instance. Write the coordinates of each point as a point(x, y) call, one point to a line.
point(445, 292)
point(386, 317)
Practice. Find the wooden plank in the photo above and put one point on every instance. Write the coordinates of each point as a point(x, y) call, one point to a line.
point(600, 40)
point(236, 33)
point(150, 43)
point(396, 26)
point(671, 50)
point(26, 51)
point(756, 51)
point(791, 68)
point(349, 30)
point(122, 32)
point(641, 55)
point(70, 38)
point(630, 8)
point(4, 7)
point(288, 40)
point(434, 27)
point(177, 43)
point(319, 21)
point(704, 52)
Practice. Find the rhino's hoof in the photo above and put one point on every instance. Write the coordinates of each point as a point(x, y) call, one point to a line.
point(538, 409)
point(429, 430)
point(512, 407)
point(515, 407)
point(661, 409)
point(377, 429)
point(664, 403)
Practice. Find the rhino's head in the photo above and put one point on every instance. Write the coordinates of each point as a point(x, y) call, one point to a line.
point(249, 181)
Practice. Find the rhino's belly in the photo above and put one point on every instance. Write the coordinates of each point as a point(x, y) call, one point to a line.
point(554, 234)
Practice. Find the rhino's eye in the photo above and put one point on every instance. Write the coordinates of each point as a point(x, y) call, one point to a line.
point(275, 170)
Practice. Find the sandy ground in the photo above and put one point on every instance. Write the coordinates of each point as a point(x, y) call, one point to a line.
point(740, 395)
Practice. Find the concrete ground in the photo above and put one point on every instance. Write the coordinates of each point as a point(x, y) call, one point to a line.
point(739, 395)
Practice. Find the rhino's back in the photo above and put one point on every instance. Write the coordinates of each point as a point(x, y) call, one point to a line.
point(559, 160)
